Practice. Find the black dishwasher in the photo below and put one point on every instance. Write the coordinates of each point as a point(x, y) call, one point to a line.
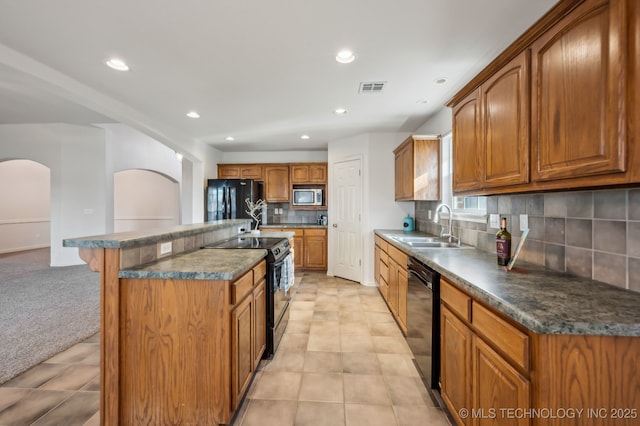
point(423, 320)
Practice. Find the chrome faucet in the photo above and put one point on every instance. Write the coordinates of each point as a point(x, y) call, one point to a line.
point(436, 219)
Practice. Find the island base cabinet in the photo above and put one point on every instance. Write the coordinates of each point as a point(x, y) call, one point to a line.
point(173, 349)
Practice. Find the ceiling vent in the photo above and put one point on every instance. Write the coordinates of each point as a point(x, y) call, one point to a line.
point(372, 87)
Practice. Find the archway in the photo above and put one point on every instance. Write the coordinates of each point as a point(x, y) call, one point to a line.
point(144, 199)
point(25, 212)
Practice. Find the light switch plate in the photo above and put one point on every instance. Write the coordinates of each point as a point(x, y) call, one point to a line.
point(524, 221)
point(494, 221)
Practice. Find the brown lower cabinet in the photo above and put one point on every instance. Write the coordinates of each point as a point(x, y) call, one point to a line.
point(393, 279)
point(309, 247)
point(496, 372)
point(188, 348)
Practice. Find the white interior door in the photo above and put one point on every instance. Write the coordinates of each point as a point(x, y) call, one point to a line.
point(346, 220)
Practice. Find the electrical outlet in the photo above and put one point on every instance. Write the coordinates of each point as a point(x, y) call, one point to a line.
point(429, 214)
point(165, 248)
point(494, 221)
point(524, 221)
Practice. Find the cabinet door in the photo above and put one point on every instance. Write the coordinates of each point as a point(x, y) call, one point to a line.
point(318, 173)
point(276, 180)
point(251, 171)
point(468, 151)
point(403, 286)
point(228, 172)
point(260, 322)
point(505, 124)
point(376, 264)
point(393, 288)
point(315, 251)
point(242, 361)
point(456, 369)
point(578, 105)
point(403, 173)
point(299, 173)
point(298, 255)
point(497, 385)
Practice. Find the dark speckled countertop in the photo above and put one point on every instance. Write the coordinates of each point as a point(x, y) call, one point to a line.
point(203, 264)
point(542, 300)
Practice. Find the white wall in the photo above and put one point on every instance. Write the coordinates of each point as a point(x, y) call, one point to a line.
point(274, 157)
point(380, 211)
point(25, 210)
point(145, 200)
point(439, 123)
point(75, 156)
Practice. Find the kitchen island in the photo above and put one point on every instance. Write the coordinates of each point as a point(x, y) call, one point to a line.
point(531, 346)
point(181, 334)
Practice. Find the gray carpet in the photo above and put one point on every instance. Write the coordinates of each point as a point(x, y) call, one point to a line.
point(43, 310)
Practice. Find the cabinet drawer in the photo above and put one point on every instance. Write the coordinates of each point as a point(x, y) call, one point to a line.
point(382, 244)
point(513, 342)
point(241, 287)
point(457, 301)
point(384, 257)
point(398, 256)
point(259, 272)
point(315, 232)
point(384, 272)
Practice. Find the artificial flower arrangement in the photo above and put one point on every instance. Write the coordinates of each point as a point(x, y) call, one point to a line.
point(254, 211)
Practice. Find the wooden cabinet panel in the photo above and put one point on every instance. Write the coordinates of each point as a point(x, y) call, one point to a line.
point(315, 250)
point(455, 365)
point(403, 288)
point(260, 321)
point(505, 124)
point(308, 173)
point(417, 169)
point(298, 252)
point(240, 171)
point(458, 301)
point(467, 148)
point(276, 182)
point(497, 385)
point(393, 288)
point(578, 102)
point(511, 341)
point(242, 364)
point(241, 287)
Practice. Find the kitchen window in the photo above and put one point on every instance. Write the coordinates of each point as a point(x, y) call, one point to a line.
point(470, 209)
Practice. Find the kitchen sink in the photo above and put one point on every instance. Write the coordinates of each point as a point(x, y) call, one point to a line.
point(426, 242)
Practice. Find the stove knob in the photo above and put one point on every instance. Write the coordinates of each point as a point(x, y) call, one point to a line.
point(276, 252)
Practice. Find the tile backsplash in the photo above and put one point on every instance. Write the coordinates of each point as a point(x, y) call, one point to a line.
point(290, 215)
point(592, 234)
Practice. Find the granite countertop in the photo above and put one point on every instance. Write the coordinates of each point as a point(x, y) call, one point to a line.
point(149, 236)
point(542, 300)
point(203, 264)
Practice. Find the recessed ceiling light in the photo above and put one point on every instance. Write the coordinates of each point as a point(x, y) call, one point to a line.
point(345, 56)
point(440, 80)
point(193, 114)
point(229, 138)
point(340, 111)
point(117, 64)
point(304, 137)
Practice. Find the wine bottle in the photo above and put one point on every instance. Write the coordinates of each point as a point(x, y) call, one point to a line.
point(503, 243)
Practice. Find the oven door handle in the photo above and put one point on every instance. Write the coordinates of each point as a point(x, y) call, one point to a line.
point(281, 261)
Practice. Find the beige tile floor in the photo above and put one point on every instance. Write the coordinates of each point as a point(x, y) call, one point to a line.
point(342, 361)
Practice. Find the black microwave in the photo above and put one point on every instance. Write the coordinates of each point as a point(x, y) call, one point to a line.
point(307, 197)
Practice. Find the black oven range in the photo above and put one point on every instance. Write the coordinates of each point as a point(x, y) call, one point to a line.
point(279, 278)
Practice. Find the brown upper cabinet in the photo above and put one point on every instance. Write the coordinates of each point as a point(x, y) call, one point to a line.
point(417, 169)
point(276, 183)
point(308, 173)
point(556, 110)
point(240, 171)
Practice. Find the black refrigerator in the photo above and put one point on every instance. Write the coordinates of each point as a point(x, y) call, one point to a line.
point(226, 197)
